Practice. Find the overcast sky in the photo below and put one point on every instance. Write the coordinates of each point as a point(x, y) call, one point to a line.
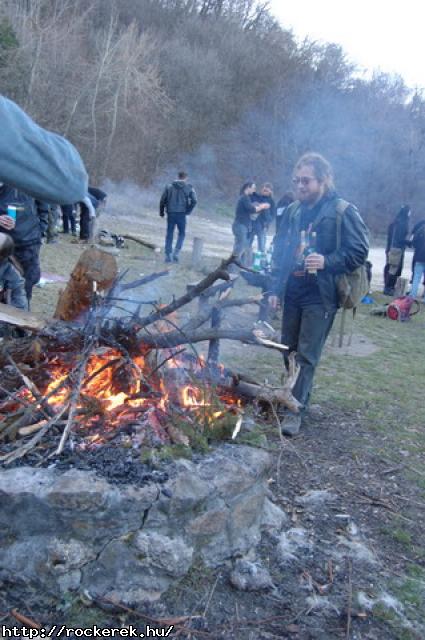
point(384, 34)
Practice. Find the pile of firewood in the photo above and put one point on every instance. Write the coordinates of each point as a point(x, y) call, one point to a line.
point(48, 377)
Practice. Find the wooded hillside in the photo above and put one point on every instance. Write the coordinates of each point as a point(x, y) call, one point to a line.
point(214, 85)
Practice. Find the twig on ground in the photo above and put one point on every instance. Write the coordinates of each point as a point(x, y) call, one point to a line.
point(27, 622)
point(175, 622)
point(350, 599)
point(210, 596)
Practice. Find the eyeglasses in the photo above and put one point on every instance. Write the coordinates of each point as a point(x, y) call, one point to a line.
point(304, 180)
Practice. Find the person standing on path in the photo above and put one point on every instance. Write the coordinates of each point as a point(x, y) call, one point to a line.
point(178, 200)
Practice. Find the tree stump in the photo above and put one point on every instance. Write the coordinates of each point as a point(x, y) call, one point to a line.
point(96, 270)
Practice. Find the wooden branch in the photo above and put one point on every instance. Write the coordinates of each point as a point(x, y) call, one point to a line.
point(20, 318)
point(145, 280)
point(219, 273)
point(32, 428)
point(272, 395)
point(140, 240)
point(217, 288)
point(75, 396)
point(178, 337)
point(207, 310)
point(22, 451)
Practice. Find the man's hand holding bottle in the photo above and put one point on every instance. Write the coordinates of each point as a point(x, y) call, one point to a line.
point(313, 262)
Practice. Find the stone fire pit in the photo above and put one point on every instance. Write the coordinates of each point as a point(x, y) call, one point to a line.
point(74, 530)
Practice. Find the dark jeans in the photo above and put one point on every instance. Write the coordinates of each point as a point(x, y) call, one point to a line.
point(260, 234)
point(29, 259)
point(390, 279)
point(175, 220)
point(242, 240)
point(69, 221)
point(84, 223)
point(304, 330)
point(53, 217)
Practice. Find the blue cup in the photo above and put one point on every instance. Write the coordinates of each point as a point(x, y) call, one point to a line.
point(11, 211)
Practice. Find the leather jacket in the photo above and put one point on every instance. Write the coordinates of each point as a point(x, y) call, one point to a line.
point(351, 254)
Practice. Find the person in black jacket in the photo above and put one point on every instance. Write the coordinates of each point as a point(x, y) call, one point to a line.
point(303, 277)
point(397, 239)
point(27, 227)
point(178, 200)
point(90, 208)
point(262, 222)
point(246, 212)
point(418, 244)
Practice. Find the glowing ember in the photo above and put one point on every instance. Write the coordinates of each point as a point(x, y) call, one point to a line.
point(117, 391)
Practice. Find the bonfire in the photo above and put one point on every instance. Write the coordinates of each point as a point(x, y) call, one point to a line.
point(89, 376)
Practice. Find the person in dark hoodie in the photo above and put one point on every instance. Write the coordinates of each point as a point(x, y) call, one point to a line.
point(25, 220)
point(178, 200)
point(397, 241)
point(304, 277)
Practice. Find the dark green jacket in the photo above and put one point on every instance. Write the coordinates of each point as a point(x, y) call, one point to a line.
point(351, 254)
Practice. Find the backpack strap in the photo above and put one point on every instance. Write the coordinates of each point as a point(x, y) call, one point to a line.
point(293, 210)
point(341, 208)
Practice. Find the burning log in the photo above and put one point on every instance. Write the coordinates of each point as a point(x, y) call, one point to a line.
point(96, 270)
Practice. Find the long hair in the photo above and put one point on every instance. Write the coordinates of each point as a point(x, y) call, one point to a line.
point(403, 214)
point(321, 168)
point(245, 186)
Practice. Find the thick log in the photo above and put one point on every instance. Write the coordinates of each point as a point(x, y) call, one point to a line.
point(96, 270)
point(140, 240)
point(242, 386)
point(264, 393)
point(20, 318)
